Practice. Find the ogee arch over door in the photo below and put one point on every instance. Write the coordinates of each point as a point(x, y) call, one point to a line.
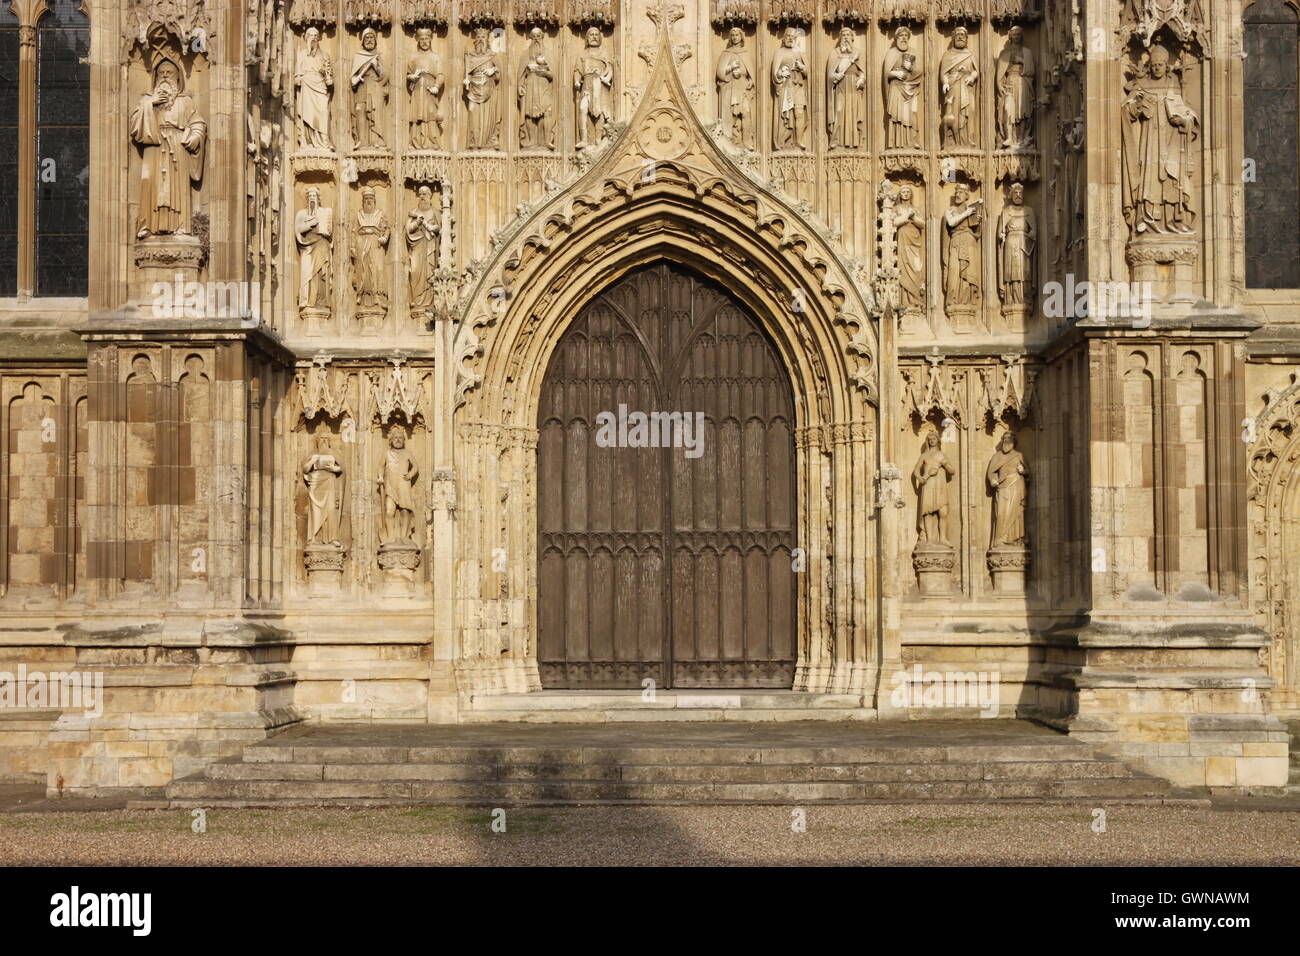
point(654, 564)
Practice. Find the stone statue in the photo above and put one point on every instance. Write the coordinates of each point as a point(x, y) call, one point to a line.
point(536, 96)
point(369, 93)
point(958, 75)
point(1015, 82)
point(425, 82)
point(482, 105)
point(172, 138)
point(369, 252)
point(930, 479)
point(396, 482)
point(1017, 240)
point(323, 476)
point(909, 245)
point(593, 83)
point(789, 95)
point(902, 80)
point(1158, 134)
point(423, 231)
point(736, 92)
point(845, 101)
point(1006, 475)
point(961, 253)
point(313, 76)
point(1074, 141)
point(314, 227)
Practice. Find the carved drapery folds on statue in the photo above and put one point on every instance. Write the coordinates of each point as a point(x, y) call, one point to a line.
point(395, 491)
point(846, 104)
point(370, 239)
point(735, 84)
point(369, 83)
point(960, 245)
point(1160, 130)
point(171, 137)
point(1017, 242)
point(902, 75)
point(1015, 82)
point(314, 231)
point(934, 556)
point(482, 94)
point(313, 79)
point(425, 84)
point(426, 227)
point(958, 93)
point(789, 94)
point(536, 95)
point(1008, 556)
point(907, 226)
point(324, 554)
point(593, 85)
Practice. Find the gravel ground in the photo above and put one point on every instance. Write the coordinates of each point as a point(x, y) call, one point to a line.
point(910, 834)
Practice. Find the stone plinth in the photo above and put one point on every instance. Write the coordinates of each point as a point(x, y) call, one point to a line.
point(165, 259)
point(934, 566)
point(324, 564)
point(1007, 566)
point(399, 561)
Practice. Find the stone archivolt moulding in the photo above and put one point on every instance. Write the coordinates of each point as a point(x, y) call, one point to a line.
point(1274, 483)
point(666, 174)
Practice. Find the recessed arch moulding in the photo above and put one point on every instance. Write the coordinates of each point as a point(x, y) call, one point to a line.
point(665, 190)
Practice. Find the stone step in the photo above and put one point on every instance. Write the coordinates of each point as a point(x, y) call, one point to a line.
point(576, 791)
point(667, 773)
point(298, 753)
point(666, 700)
point(633, 715)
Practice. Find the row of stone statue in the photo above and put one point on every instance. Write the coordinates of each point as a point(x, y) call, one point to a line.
point(323, 475)
point(1006, 477)
point(370, 237)
point(902, 76)
point(426, 83)
point(962, 226)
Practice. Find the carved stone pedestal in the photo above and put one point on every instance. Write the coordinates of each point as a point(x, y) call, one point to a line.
point(166, 259)
point(371, 320)
point(324, 564)
point(314, 318)
point(1008, 567)
point(934, 566)
point(1168, 263)
point(399, 561)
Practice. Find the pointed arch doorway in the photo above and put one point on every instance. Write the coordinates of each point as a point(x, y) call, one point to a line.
point(667, 563)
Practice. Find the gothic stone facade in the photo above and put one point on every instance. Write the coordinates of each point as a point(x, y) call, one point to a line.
point(368, 277)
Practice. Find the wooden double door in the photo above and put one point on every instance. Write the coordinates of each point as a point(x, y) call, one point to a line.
point(669, 563)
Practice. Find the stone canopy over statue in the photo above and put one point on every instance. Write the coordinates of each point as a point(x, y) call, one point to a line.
point(172, 137)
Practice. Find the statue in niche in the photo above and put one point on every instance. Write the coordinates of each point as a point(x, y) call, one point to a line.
point(789, 94)
point(1006, 476)
point(369, 255)
point(958, 74)
point(902, 79)
point(425, 82)
point(313, 76)
point(909, 245)
point(423, 234)
point(482, 105)
point(930, 479)
point(1015, 82)
point(736, 92)
point(396, 483)
point(1017, 240)
point(323, 476)
point(314, 227)
point(1074, 139)
point(369, 93)
point(593, 83)
point(536, 96)
point(172, 138)
point(1158, 134)
point(961, 252)
point(845, 100)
